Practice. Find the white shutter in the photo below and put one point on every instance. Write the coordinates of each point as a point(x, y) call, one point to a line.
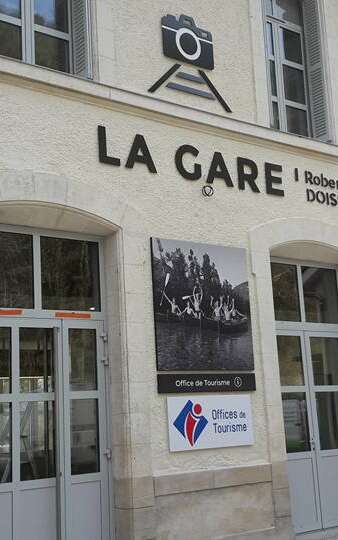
point(81, 38)
point(315, 70)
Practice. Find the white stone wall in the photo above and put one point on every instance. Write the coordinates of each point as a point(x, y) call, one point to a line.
point(50, 176)
point(55, 137)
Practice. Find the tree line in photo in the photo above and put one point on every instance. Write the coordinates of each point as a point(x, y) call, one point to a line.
point(185, 287)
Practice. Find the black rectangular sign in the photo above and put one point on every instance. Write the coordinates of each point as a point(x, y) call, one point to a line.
point(205, 382)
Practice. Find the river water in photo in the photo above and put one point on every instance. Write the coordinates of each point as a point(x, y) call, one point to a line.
point(182, 347)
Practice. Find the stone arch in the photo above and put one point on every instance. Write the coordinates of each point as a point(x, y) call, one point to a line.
point(290, 237)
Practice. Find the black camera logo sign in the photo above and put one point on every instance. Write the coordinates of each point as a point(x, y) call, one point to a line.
point(185, 42)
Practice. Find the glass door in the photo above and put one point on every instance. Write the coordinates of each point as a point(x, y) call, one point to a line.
point(53, 431)
point(29, 434)
point(299, 432)
point(322, 354)
point(87, 454)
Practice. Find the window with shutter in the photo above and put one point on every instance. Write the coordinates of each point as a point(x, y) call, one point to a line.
point(295, 64)
point(56, 35)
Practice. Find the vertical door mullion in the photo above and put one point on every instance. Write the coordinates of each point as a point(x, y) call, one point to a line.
point(108, 431)
point(16, 442)
point(66, 428)
point(102, 427)
point(37, 272)
point(314, 420)
point(59, 419)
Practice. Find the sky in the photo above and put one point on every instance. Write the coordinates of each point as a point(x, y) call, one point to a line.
point(230, 262)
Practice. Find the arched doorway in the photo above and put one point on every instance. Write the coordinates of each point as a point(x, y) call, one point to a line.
point(54, 420)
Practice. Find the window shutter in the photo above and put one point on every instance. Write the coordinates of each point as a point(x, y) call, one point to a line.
point(81, 38)
point(316, 72)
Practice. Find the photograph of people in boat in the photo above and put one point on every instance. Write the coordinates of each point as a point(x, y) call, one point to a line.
point(201, 307)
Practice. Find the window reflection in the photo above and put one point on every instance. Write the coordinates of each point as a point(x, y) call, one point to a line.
point(51, 13)
point(82, 345)
point(5, 360)
point(5, 442)
point(37, 458)
point(320, 294)
point(327, 411)
point(16, 270)
point(290, 361)
point(84, 436)
point(296, 422)
point(70, 274)
point(288, 10)
point(285, 292)
point(324, 354)
point(36, 360)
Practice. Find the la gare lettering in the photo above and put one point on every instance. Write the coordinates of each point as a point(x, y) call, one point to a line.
point(247, 169)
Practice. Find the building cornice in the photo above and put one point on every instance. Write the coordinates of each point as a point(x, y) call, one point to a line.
point(159, 110)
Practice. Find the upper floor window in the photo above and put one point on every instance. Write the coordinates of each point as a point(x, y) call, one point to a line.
point(298, 100)
point(49, 33)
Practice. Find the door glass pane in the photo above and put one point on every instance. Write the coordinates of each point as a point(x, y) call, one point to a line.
point(51, 13)
point(10, 40)
point(320, 294)
point(288, 10)
point(296, 422)
point(292, 46)
point(37, 458)
point(5, 442)
point(324, 354)
point(82, 346)
point(294, 84)
point(70, 274)
point(11, 8)
point(327, 411)
point(290, 361)
point(84, 436)
point(275, 118)
point(297, 121)
point(5, 360)
point(36, 360)
point(285, 292)
point(273, 78)
point(51, 52)
point(16, 267)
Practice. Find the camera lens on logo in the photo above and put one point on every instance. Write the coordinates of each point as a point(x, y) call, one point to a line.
point(188, 44)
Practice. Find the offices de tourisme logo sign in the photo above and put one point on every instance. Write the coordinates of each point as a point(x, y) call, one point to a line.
point(209, 422)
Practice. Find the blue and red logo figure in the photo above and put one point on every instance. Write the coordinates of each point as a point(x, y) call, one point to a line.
point(190, 422)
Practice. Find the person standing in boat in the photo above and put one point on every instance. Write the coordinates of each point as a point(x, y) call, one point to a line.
point(227, 310)
point(217, 308)
point(197, 295)
point(189, 310)
point(175, 310)
point(235, 314)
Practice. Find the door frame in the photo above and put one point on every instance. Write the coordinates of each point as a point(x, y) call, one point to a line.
point(309, 455)
point(62, 482)
point(305, 330)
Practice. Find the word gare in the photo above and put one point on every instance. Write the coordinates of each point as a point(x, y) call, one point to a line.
point(247, 169)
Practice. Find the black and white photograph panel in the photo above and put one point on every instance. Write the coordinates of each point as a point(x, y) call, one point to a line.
point(201, 307)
